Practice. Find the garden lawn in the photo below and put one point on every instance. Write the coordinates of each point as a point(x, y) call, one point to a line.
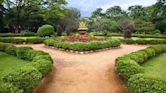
point(156, 67)
point(9, 63)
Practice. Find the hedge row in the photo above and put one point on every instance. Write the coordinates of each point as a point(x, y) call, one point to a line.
point(129, 67)
point(34, 40)
point(144, 41)
point(83, 46)
point(26, 78)
point(17, 35)
point(133, 35)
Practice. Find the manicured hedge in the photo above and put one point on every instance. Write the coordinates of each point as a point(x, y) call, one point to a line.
point(129, 67)
point(144, 41)
point(133, 35)
point(26, 78)
point(34, 40)
point(17, 35)
point(83, 46)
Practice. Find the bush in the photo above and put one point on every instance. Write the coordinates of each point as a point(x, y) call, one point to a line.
point(9, 88)
point(43, 66)
point(11, 49)
point(25, 78)
point(45, 30)
point(83, 46)
point(127, 68)
point(141, 83)
point(22, 52)
point(144, 41)
point(36, 40)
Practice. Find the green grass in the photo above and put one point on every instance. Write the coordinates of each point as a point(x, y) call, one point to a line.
point(156, 67)
point(9, 63)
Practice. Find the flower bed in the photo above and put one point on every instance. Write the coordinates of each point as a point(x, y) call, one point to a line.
point(26, 78)
point(83, 46)
point(129, 67)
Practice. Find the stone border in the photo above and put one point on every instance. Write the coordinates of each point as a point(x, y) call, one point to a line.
point(83, 52)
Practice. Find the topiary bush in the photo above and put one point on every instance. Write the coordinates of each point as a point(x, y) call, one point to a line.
point(129, 67)
point(45, 30)
point(22, 52)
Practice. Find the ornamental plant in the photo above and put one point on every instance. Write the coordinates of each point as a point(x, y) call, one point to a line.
point(82, 24)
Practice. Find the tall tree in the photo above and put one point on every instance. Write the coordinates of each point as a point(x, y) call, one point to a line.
point(115, 11)
point(137, 11)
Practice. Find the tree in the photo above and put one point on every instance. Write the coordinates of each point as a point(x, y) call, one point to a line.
point(115, 11)
point(25, 14)
point(126, 26)
point(144, 27)
point(136, 12)
point(2, 9)
point(97, 13)
point(70, 21)
point(159, 16)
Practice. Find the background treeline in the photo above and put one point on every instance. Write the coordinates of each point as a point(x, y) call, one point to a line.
point(28, 15)
point(146, 20)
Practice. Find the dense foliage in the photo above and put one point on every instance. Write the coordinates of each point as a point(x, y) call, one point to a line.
point(83, 46)
point(26, 78)
point(129, 67)
point(45, 30)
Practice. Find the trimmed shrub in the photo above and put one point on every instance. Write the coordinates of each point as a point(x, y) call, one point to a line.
point(11, 49)
point(25, 78)
point(43, 66)
point(127, 68)
point(45, 30)
point(9, 88)
point(22, 52)
point(36, 40)
point(83, 46)
point(141, 83)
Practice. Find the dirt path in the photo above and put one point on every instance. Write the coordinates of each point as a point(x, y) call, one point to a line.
point(89, 73)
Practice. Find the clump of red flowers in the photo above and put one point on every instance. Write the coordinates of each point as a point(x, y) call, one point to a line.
point(74, 37)
point(83, 38)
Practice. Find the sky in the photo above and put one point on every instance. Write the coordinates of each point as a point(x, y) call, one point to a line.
point(88, 6)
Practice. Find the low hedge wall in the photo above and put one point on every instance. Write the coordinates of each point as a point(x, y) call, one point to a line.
point(133, 35)
point(26, 78)
point(34, 40)
point(83, 46)
point(129, 67)
point(144, 41)
point(18, 34)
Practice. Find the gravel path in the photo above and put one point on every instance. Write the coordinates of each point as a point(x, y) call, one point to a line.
point(88, 73)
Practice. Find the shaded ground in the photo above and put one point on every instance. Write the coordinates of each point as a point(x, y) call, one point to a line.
point(155, 67)
point(89, 73)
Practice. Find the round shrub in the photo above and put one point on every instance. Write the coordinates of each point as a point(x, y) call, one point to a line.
point(26, 78)
point(45, 30)
point(9, 88)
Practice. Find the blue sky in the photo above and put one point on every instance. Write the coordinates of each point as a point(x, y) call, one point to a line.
point(87, 6)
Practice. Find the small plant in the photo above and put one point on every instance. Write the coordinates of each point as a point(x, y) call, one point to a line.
point(82, 24)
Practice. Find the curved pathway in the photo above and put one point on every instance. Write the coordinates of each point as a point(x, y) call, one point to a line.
point(88, 73)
